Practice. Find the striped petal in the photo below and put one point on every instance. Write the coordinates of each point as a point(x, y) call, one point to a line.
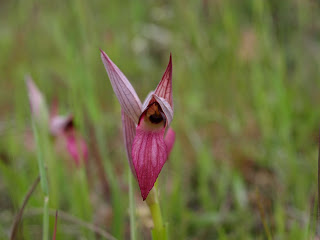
point(163, 94)
point(166, 108)
point(164, 88)
point(129, 132)
point(147, 101)
point(123, 89)
point(149, 154)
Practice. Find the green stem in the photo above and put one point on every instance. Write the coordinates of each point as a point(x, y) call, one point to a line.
point(159, 232)
point(131, 206)
point(40, 138)
point(42, 170)
point(45, 218)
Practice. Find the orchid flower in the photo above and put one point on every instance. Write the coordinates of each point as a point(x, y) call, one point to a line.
point(60, 127)
point(148, 138)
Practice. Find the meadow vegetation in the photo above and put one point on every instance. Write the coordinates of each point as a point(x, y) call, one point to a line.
point(246, 92)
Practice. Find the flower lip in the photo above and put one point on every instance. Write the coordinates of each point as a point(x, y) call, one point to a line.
point(149, 154)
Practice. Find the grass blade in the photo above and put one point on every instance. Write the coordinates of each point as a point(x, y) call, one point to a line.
point(40, 139)
point(131, 208)
point(18, 217)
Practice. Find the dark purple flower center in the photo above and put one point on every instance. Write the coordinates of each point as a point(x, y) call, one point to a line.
point(69, 126)
point(156, 118)
point(154, 114)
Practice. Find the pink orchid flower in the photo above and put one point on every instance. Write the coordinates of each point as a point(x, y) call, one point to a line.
point(147, 135)
point(60, 127)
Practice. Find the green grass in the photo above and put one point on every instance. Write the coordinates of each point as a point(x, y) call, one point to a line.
point(246, 98)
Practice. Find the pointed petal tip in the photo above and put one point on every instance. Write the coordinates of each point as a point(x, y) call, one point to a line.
point(123, 89)
point(105, 57)
point(145, 192)
point(102, 52)
point(169, 67)
point(164, 88)
point(144, 195)
point(36, 100)
point(30, 83)
point(27, 78)
point(170, 60)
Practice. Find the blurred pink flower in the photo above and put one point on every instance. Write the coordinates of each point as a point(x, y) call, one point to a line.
point(148, 138)
point(77, 148)
point(61, 127)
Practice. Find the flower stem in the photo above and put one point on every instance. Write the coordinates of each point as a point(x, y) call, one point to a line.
point(40, 135)
point(131, 208)
point(159, 232)
point(45, 233)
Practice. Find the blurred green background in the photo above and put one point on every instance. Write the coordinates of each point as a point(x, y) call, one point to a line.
point(246, 94)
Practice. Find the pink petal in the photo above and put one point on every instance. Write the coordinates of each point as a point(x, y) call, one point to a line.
point(77, 148)
point(123, 89)
point(149, 154)
point(164, 88)
point(129, 132)
point(163, 94)
point(169, 139)
point(166, 108)
point(147, 100)
point(36, 99)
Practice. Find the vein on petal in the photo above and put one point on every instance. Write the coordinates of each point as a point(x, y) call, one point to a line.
point(164, 88)
point(123, 89)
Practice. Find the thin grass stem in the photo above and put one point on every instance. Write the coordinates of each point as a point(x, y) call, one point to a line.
point(74, 220)
point(131, 207)
point(18, 217)
point(318, 213)
point(39, 138)
point(45, 234)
